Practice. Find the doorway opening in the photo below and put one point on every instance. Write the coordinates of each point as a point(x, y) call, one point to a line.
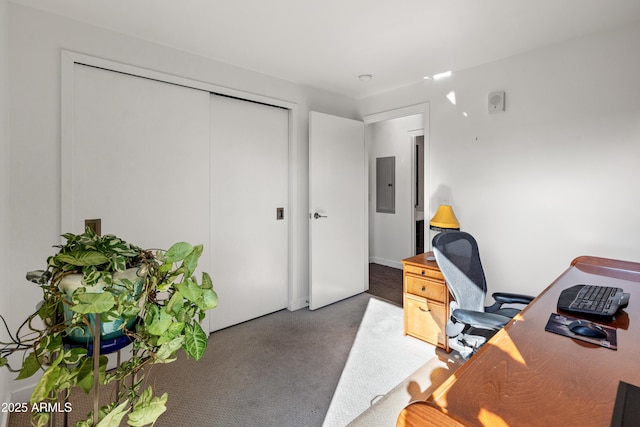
point(394, 236)
point(419, 189)
point(398, 233)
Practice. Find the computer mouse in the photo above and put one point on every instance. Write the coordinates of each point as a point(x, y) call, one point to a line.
point(587, 329)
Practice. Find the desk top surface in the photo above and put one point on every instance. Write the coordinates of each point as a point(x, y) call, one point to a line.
point(527, 376)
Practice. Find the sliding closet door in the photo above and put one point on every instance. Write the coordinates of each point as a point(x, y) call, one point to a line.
point(249, 211)
point(138, 159)
point(158, 163)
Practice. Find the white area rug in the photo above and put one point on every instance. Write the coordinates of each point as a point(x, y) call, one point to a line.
point(380, 359)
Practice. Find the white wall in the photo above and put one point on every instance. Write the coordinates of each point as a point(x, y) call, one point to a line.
point(390, 234)
point(35, 41)
point(4, 151)
point(556, 175)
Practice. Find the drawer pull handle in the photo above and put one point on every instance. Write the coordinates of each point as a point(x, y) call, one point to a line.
point(424, 310)
point(424, 288)
point(423, 272)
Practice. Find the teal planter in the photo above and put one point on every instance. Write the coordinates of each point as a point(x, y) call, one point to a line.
point(110, 329)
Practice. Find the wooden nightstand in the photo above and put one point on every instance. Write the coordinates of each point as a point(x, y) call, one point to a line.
point(426, 300)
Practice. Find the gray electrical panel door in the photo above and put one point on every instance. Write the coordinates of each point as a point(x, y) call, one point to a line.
point(386, 185)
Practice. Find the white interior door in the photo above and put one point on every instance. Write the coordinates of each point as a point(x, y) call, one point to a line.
point(338, 209)
point(249, 182)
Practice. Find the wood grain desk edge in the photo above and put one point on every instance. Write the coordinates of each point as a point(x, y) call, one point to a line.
point(428, 414)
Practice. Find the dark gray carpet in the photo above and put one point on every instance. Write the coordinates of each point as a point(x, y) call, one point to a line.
point(277, 370)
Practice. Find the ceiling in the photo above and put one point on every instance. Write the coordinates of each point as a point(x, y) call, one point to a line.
point(329, 43)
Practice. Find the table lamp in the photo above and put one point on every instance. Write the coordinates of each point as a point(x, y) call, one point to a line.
point(444, 219)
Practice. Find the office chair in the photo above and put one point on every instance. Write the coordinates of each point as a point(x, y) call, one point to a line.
point(471, 323)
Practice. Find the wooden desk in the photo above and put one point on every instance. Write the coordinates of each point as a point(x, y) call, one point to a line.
point(525, 376)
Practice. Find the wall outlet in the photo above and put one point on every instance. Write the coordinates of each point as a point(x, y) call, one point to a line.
point(94, 224)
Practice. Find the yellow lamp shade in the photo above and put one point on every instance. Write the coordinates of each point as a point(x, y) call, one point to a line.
point(444, 219)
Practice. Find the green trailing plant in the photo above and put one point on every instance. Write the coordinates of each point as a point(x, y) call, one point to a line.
point(160, 310)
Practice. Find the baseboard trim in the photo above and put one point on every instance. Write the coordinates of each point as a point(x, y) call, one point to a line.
point(386, 262)
point(298, 304)
point(22, 395)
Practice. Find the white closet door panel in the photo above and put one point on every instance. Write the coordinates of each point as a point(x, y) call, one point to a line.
point(249, 182)
point(139, 159)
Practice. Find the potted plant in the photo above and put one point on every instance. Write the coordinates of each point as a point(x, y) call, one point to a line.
point(101, 288)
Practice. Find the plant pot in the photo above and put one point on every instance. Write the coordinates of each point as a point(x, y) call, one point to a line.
point(109, 329)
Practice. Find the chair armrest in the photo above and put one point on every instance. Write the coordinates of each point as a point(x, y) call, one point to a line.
point(507, 298)
point(478, 318)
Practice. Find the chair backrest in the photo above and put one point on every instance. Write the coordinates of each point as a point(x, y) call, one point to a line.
point(458, 258)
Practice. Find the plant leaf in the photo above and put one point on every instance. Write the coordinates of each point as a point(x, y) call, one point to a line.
point(191, 260)
point(29, 367)
point(160, 323)
point(195, 340)
point(46, 384)
point(147, 411)
point(91, 275)
point(85, 372)
point(175, 303)
point(85, 375)
point(167, 349)
point(207, 283)
point(174, 330)
point(93, 303)
point(74, 355)
point(209, 300)
point(51, 342)
point(190, 290)
point(178, 252)
point(66, 379)
point(119, 263)
point(82, 258)
point(113, 418)
point(40, 419)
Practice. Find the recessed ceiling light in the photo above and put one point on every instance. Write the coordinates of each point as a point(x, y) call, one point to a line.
point(365, 77)
point(442, 75)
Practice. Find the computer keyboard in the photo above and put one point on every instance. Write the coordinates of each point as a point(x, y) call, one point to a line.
point(593, 299)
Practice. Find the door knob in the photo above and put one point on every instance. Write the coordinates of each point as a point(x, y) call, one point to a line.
point(317, 215)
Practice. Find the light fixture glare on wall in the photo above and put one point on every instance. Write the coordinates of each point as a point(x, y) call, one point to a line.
point(440, 76)
point(451, 96)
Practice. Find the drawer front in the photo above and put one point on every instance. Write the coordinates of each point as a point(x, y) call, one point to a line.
point(423, 272)
point(425, 320)
point(425, 288)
